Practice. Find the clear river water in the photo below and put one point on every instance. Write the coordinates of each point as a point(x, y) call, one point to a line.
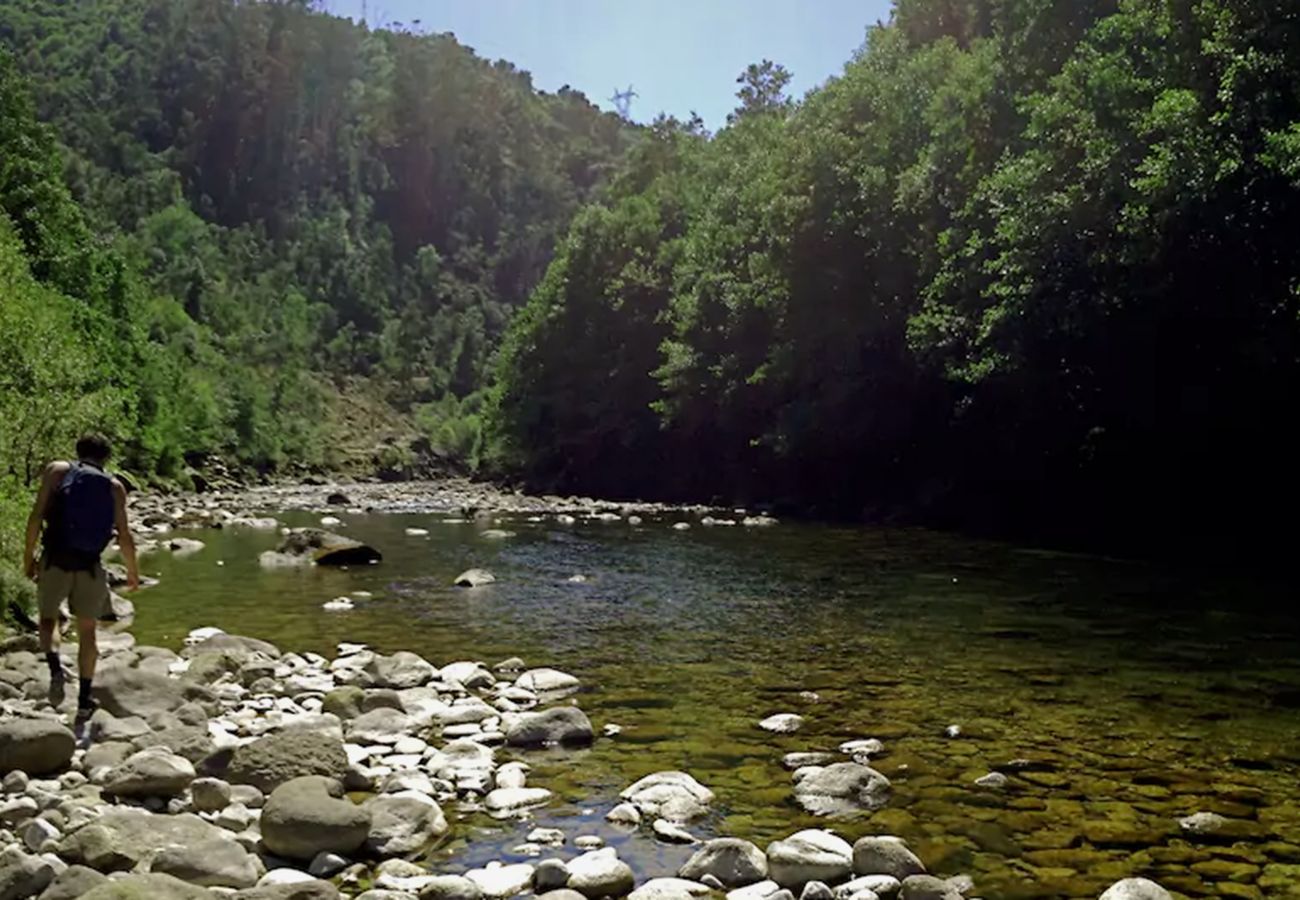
point(1138, 694)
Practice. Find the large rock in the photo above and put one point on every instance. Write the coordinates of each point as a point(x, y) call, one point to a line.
point(674, 796)
point(73, 882)
point(450, 887)
point(193, 742)
point(1135, 889)
point(927, 887)
point(732, 861)
point(669, 889)
point(150, 773)
point(312, 545)
point(547, 681)
point(148, 887)
point(495, 880)
point(23, 875)
point(841, 788)
point(344, 702)
point(565, 725)
point(507, 801)
point(400, 671)
point(600, 873)
point(276, 759)
point(380, 726)
point(235, 645)
point(121, 837)
point(311, 889)
point(403, 823)
point(216, 863)
point(811, 855)
point(305, 816)
point(136, 692)
point(35, 746)
point(885, 856)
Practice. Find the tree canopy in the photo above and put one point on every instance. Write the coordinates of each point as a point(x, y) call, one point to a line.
point(1022, 265)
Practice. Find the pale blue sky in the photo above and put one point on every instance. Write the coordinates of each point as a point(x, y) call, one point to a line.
point(680, 55)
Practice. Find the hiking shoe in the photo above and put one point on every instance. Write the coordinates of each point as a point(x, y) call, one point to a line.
point(58, 686)
point(86, 710)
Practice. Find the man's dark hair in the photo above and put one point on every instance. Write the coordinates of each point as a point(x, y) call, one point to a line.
point(94, 447)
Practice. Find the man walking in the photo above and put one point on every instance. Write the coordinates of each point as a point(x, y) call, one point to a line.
point(80, 506)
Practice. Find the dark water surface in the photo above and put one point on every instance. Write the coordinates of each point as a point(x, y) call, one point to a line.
point(1140, 694)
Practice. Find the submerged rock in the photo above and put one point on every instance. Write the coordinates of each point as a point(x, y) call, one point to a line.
point(841, 788)
point(784, 723)
point(474, 578)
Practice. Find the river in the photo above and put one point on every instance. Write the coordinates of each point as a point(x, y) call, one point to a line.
point(1137, 693)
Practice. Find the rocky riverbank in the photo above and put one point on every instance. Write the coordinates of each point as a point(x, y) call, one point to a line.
point(231, 768)
point(461, 498)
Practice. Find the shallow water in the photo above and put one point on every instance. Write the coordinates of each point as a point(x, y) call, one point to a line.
point(1140, 694)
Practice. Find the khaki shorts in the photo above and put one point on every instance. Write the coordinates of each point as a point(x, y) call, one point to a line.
point(86, 592)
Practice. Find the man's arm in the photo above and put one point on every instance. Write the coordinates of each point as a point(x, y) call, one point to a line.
point(124, 539)
point(49, 480)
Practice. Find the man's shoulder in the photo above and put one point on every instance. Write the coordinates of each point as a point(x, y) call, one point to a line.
point(58, 467)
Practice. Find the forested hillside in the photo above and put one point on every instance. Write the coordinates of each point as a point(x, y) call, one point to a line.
point(299, 202)
point(1026, 264)
point(255, 231)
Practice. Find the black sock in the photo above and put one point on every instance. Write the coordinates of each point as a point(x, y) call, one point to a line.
point(83, 698)
point(56, 667)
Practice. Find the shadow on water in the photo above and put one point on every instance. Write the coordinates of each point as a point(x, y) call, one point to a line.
point(1137, 694)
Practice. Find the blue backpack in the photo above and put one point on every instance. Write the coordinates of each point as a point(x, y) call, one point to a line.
point(84, 515)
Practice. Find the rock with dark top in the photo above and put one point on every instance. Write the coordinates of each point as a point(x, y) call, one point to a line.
point(275, 759)
point(312, 545)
